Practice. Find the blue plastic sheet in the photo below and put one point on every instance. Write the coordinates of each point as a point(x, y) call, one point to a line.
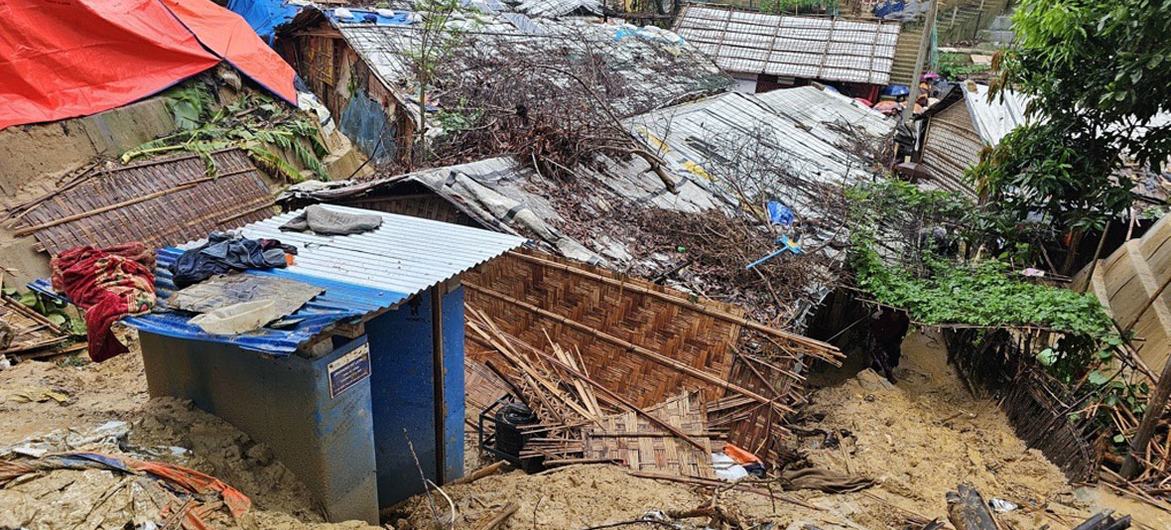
point(369, 16)
point(779, 214)
point(264, 15)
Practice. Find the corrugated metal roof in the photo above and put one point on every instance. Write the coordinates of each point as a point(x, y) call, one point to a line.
point(802, 130)
point(558, 8)
point(361, 274)
point(159, 202)
point(655, 69)
point(406, 254)
point(803, 47)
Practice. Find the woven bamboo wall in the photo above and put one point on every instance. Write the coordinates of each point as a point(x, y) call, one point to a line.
point(671, 329)
point(752, 425)
point(181, 203)
point(620, 437)
point(1037, 406)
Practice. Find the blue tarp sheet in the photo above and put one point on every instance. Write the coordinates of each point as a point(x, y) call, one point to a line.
point(369, 16)
point(264, 15)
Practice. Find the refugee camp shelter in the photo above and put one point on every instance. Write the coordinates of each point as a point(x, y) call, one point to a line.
point(959, 127)
point(803, 139)
point(362, 67)
point(764, 52)
point(338, 387)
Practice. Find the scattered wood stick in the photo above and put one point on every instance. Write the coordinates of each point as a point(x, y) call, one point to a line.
point(494, 520)
point(478, 474)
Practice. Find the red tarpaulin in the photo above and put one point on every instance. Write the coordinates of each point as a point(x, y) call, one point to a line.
point(230, 37)
point(66, 58)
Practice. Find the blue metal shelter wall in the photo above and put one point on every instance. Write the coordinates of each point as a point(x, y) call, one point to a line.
point(453, 382)
point(285, 403)
point(403, 395)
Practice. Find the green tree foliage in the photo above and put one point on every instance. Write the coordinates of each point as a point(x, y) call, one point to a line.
point(254, 122)
point(1097, 72)
point(934, 289)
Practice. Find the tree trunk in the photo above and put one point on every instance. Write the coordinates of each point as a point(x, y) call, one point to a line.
point(1146, 428)
point(1075, 240)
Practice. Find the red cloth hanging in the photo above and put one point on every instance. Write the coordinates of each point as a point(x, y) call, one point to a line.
point(107, 284)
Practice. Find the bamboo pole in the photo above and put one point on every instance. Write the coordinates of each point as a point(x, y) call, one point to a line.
point(619, 399)
point(494, 520)
point(1155, 408)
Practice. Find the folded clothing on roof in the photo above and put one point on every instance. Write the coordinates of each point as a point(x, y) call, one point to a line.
point(108, 284)
point(225, 252)
point(327, 222)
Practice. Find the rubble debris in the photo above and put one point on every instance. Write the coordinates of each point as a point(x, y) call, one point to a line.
point(40, 395)
point(183, 502)
point(28, 334)
point(557, 388)
point(1105, 520)
point(636, 442)
point(967, 510)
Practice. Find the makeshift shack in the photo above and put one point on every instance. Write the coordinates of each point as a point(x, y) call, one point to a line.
point(362, 68)
point(959, 127)
point(345, 385)
point(764, 52)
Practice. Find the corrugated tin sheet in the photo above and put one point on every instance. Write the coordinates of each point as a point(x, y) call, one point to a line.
point(405, 255)
point(950, 146)
point(510, 197)
point(655, 72)
point(803, 47)
point(962, 125)
point(558, 8)
point(803, 130)
point(161, 202)
point(361, 274)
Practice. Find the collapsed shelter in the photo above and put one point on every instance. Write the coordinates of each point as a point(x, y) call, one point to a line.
point(606, 218)
point(366, 75)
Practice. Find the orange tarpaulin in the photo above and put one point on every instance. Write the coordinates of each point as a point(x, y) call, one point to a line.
point(230, 37)
point(66, 58)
